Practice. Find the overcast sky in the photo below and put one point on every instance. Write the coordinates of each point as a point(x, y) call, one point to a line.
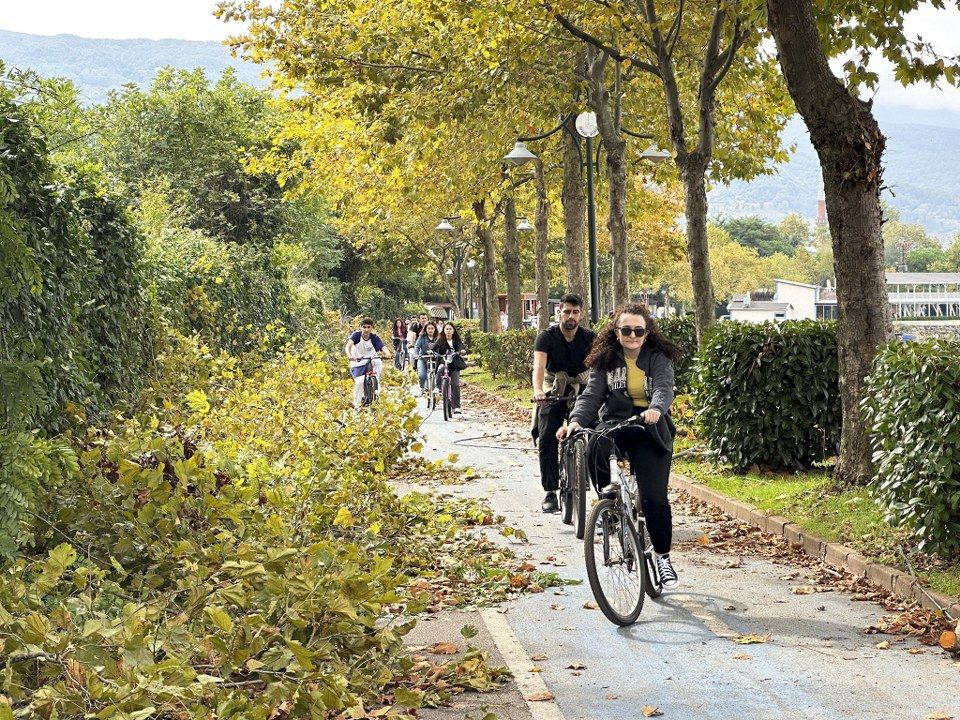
point(193, 20)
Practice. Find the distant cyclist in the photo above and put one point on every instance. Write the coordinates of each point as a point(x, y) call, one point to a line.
point(428, 338)
point(558, 368)
point(450, 341)
point(361, 346)
point(631, 374)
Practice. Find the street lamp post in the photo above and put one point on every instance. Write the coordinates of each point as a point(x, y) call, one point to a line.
point(459, 253)
point(586, 124)
point(471, 264)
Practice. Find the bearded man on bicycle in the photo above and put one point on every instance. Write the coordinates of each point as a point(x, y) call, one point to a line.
point(558, 370)
point(361, 346)
point(631, 374)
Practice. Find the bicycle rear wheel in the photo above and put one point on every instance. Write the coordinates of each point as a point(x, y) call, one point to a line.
point(615, 565)
point(579, 485)
point(566, 494)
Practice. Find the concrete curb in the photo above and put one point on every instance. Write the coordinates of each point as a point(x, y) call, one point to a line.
point(896, 581)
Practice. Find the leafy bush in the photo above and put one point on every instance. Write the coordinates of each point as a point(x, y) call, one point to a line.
point(242, 555)
point(912, 406)
point(233, 296)
point(769, 394)
point(682, 330)
point(508, 354)
point(72, 305)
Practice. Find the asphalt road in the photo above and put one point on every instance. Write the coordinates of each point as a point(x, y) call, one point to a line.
point(681, 656)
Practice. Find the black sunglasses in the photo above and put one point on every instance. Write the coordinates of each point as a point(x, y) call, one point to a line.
point(628, 331)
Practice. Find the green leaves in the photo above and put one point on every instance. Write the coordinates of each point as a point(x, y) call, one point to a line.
point(910, 408)
point(186, 594)
point(769, 394)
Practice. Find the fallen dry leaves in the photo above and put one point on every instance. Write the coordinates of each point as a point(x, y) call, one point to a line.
point(651, 711)
point(538, 657)
point(542, 696)
point(752, 639)
point(442, 648)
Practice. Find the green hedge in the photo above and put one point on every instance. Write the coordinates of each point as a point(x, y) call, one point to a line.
point(682, 330)
point(508, 354)
point(769, 394)
point(72, 305)
point(912, 407)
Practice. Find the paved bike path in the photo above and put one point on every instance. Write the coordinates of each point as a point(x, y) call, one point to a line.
point(681, 656)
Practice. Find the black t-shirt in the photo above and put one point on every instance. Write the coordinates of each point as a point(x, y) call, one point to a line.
point(563, 356)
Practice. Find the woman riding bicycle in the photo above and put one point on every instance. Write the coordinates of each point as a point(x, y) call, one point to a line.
point(450, 342)
point(631, 374)
point(425, 342)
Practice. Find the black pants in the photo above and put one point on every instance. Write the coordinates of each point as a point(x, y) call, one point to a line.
point(550, 420)
point(650, 463)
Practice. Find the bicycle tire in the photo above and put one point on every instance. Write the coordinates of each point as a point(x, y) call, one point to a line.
point(565, 495)
point(447, 401)
point(607, 508)
point(651, 582)
point(580, 485)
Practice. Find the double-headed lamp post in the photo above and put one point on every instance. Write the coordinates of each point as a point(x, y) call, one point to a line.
point(586, 124)
point(459, 251)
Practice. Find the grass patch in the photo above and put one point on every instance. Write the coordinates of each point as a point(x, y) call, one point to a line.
point(518, 392)
point(845, 515)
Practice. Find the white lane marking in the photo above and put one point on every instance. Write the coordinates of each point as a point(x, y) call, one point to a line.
point(513, 654)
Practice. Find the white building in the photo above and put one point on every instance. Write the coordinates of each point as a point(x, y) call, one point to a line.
point(911, 295)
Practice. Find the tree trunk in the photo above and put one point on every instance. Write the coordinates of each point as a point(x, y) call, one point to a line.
point(541, 263)
point(511, 264)
point(850, 145)
point(698, 253)
point(574, 203)
point(617, 219)
point(488, 270)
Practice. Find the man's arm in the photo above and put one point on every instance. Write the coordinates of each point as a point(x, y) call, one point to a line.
point(539, 367)
point(348, 348)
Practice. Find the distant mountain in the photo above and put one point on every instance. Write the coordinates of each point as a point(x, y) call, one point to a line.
point(922, 156)
point(98, 66)
point(921, 170)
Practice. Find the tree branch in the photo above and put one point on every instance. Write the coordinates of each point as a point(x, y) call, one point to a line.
point(674, 30)
point(739, 38)
point(608, 50)
point(383, 66)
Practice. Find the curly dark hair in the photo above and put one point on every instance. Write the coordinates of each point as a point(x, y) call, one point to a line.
point(605, 351)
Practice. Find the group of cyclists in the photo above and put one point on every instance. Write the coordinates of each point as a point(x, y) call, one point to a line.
point(433, 346)
point(600, 379)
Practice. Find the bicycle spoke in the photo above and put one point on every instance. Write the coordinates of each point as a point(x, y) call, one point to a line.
point(617, 563)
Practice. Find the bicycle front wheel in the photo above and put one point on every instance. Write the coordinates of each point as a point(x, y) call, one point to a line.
point(615, 564)
point(447, 403)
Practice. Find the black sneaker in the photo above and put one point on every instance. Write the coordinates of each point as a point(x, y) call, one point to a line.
point(668, 576)
point(550, 504)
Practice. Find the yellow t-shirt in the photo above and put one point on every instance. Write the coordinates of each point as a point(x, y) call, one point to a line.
point(637, 385)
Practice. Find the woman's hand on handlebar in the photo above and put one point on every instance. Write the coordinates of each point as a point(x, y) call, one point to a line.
point(650, 417)
point(567, 430)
